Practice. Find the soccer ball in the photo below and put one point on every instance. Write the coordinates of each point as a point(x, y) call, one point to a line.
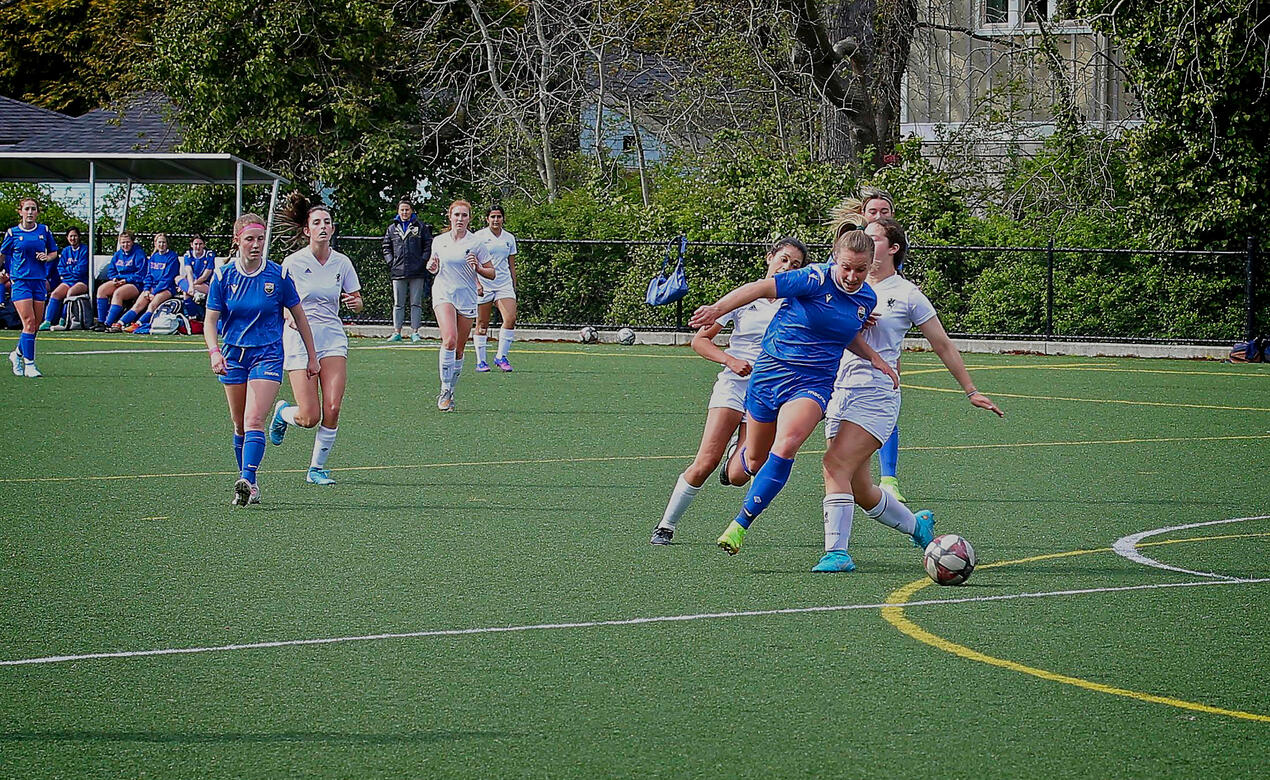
point(949, 559)
point(626, 336)
point(589, 335)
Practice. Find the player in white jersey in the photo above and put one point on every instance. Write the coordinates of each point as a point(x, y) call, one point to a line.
point(725, 415)
point(499, 291)
point(458, 258)
point(324, 279)
point(862, 411)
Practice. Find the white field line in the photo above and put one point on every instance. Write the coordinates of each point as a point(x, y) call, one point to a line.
point(1126, 546)
point(52, 659)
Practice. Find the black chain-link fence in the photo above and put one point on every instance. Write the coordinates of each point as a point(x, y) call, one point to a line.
point(1028, 292)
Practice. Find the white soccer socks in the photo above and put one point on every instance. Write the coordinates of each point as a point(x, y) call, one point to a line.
point(839, 511)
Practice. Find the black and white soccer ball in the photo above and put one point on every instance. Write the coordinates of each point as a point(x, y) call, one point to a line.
point(589, 335)
point(949, 559)
point(626, 336)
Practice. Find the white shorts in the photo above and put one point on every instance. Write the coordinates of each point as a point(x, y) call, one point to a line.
point(496, 289)
point(327, 341)
point(729, 391)
point(463, 301)
point(874, 409)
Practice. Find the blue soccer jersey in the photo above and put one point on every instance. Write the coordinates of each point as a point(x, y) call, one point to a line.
point(20, 247)
point(72, 265)
point(817, 319)
point(198, 265)
point(130, 266)
point(161, 271)
point(251, 305)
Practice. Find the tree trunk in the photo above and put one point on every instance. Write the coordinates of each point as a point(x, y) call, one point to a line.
point(544, 74)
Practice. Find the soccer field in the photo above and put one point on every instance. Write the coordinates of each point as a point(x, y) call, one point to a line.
point(477, 595)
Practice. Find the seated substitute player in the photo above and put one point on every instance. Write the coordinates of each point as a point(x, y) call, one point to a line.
point(725, 415)
point(72, 277)
point(124, 278)
point(244, 306)
point(29, 250)
point(197, 266)
point(864, 408)
point(158, 285)
point(824, 307)
point(499, 291)
point(324, 279)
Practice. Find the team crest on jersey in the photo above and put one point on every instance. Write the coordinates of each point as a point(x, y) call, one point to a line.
point(269, 289)
point(863, 312)
point(890, 303)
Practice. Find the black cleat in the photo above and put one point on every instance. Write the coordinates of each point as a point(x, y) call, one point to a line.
point(662, 535)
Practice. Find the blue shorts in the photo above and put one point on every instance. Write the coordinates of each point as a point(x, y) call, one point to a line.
point(244, 363)
point(774, 384)
point(30, 290)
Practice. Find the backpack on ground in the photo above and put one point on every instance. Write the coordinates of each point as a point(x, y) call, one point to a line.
point(1251, 351)
point(79, 313)
point(168, 318)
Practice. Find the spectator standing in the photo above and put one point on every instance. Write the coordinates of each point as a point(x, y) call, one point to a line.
point(407, 246)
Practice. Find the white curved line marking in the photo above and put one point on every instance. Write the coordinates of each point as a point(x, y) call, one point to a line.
point(1126, 546)
point(53, 659)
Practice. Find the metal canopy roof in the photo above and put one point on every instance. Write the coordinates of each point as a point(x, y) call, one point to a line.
point(165, 168)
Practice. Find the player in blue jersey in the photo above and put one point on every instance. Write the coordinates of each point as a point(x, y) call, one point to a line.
point(823, 310)
point(725, 415)
point(29, 249)
point(124, 277)
point(158, 285)
point(197, 266)
point(72, 277)
point(245, 304)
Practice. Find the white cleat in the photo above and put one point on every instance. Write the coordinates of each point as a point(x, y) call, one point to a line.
point(30, 371)
point(254, 498)
point(19, 364)
point(242, 493)
point(445, 400)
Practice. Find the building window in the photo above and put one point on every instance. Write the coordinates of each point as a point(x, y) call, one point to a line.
point(998, 14)
point(997, 11)
point(628, 144)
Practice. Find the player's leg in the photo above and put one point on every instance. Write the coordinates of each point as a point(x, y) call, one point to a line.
point(155, 302)
point(720, 423)
point(888, 463)
point(333, 377)
point(850, 448)
point(463, 328)
point(796, 420)
point(138, 308)
point(506, 333)
point(104, 295)
point(261, 394)
point(123, 294)
point(480, 336)
point(31, 312)
point(850, 471)
point(447, 321)
point(236, 397)
point(53, 312)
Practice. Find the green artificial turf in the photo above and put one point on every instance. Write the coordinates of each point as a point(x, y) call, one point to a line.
point(533, 505)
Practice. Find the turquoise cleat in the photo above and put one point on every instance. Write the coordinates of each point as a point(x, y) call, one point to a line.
point(278, 427)
point(835, 561)
point(318, 476)
point(924, 534)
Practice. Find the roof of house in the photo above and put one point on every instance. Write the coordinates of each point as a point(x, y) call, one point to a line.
point(20, 121)
point(140, 123)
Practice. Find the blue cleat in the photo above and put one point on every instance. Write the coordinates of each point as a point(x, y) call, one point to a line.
point(482, 367)
point(318, 476)
point(278, 428)
point(503, 365)
point(835, 561)
point(924, 534)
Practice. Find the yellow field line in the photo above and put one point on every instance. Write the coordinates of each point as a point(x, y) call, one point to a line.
point(895, 616)
point(623, 458)
point(940, 368)
point(996, 394)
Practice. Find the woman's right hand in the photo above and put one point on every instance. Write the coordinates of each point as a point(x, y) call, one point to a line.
point(434, 264)
point(218, 363)
point(738, 366)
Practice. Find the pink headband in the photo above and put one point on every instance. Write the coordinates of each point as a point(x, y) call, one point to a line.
point(248, 225)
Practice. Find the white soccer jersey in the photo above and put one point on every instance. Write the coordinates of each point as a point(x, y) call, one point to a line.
point(749, 323)
point(320, 286)
point(456, 280)
point(500, 247)
point(901, 305)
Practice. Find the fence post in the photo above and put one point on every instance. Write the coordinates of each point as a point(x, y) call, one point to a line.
point(1049, 291)
point(1250, 290)
point(679, 304)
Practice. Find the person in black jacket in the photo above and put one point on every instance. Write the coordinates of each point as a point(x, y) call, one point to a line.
point(407, 247)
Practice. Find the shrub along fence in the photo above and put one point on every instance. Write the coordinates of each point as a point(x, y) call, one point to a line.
point(1072, 293)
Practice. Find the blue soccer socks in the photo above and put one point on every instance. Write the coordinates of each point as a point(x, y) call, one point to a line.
point(253, 453)
point(889, 455)
point(763, 490)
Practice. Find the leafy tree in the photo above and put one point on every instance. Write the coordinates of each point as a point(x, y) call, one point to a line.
point(73, 55)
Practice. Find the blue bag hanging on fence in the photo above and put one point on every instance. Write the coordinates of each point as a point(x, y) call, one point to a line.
point(668, 288)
